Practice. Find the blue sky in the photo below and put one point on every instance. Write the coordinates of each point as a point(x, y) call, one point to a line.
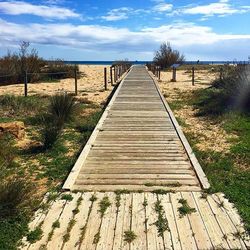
point(133, 29)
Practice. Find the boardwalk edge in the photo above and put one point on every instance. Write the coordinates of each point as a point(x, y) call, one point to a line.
point(68, 184)
point(195, 163)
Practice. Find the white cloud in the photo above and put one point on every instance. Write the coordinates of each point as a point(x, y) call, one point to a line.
point(162, 7)
point(118, 40)
point(221, 8)
point(52, 12)
point(117, 14)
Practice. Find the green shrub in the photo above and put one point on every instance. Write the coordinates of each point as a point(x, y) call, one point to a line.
point(14, 65)
point(50, 134)
point(62, 109)
point(15, 196)
point(19, 103)
point(231, 92)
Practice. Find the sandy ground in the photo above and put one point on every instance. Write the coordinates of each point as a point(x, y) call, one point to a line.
point(90, 85)
point(210, 136)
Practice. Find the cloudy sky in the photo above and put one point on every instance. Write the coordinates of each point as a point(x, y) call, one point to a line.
point(133, 29)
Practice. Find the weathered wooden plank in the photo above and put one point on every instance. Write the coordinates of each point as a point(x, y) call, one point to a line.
point(134, 181)
point(138, 176)
point(210, 222)
point(108, 225)
point(136, 187)
point(200, 233)
point(235, 218)
point(138, 222)
point(127, 170)
point(175, 238)
point(123, 223)
point(185, 232)
point(81, 219)
point(225, 223)
point(66, 216)
point(52, 216)
point(154, 241)
point(167, 239)
point(93, 225)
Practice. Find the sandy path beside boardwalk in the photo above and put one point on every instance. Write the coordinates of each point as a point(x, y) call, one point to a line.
point(90, 85)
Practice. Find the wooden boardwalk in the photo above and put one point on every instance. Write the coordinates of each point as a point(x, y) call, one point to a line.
point(137, 144)
point(81, 226)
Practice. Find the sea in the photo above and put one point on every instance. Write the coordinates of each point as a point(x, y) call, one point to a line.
point(145, 62)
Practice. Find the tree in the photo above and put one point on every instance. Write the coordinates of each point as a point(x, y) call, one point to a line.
point(166, 56)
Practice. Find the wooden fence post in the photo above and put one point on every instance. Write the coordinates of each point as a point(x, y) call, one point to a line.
point(105, 78)
point(193, 76)
point(26, 83)
point(115, 73)
point(159, 74)
point(221, 72)
point(174, 75)
point(111, 76)
point(75, 74)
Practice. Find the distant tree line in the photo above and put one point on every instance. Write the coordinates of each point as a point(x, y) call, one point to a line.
point(14, 65)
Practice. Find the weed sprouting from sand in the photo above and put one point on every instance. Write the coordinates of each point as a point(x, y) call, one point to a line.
point(67, 197)
point(103, 205)
point(129, 236)
point(35, 235)
point(185, 209)
point(162, 222)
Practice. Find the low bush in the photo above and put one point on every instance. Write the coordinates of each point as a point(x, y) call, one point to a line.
point(231, 92)
point(15, 196)
point(14, 65)
point(62, 108)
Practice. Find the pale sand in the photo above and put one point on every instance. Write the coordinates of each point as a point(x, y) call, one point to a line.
point(90, 86)
point(211, 136)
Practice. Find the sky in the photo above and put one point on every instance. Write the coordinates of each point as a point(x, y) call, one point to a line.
point(132, 29)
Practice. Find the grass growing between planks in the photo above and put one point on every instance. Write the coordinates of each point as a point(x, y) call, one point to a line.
point(227, 171)
point(33, 164)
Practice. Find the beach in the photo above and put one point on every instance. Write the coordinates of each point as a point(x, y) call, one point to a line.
point(90, 85)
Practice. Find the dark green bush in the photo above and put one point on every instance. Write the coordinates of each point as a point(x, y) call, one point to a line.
point(15, 196)
point(62, 109)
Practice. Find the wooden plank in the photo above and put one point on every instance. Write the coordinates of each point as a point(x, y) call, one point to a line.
point(123, 222)
point(108, 225)
point(81, 219)
point(154, 241)
point(119, 170)
point(167, 239)
point(225, 223)
point(67, 214)
point(138, 222)
point(138, 176)
point(175, 238)
point(135, 187)
point(53, 215)
point(200, 233)
point(235, 218)
point(93, 225)
point(139, 163)
point(210, 222)
point(131, 181)
point(185, 232)
point(36, 221)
